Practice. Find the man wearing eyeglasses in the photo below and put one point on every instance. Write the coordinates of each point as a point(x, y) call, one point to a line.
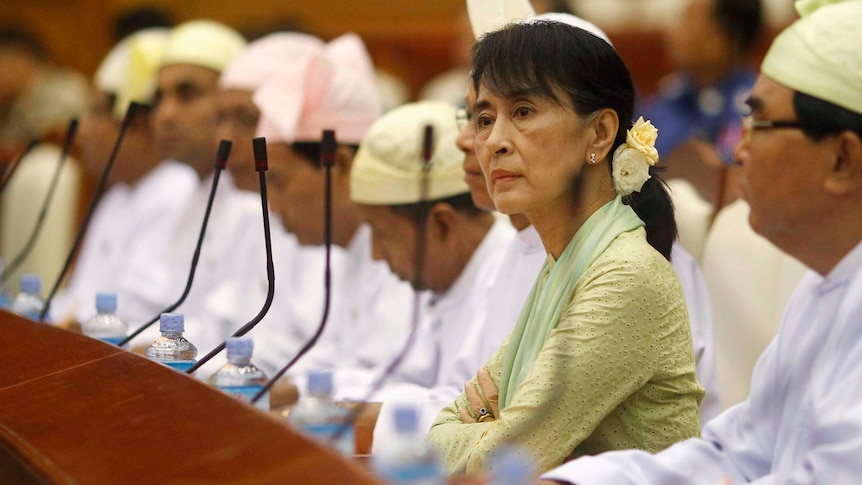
point(801, 156)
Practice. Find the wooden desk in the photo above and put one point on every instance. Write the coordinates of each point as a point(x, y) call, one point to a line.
point(74, 410)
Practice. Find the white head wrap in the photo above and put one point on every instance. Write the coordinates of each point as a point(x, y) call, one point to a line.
point(333, 90)
point(129, 70)
point(489, 16)
point(267, 57)
point(203, 43)
point(387, 169)
point(819, 54)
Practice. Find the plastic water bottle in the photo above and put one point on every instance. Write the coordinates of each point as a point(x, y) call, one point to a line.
point(5, 295)
point(406, 458)
point(319, 416)
point(239, 377)
point(172, 349)
point(106, 325)
point(511, 466)
point(29, 303)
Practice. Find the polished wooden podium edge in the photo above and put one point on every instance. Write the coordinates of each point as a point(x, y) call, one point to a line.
point(74, 410)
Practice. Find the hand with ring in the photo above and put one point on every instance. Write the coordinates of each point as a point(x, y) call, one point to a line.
point(483, 400)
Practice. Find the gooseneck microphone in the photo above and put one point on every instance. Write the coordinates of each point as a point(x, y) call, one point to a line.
point(7, 174)
point(220, 164)
point(418, 282)
point(49, 196)
point(261, 164)
point(97, 196)
point(327, 160)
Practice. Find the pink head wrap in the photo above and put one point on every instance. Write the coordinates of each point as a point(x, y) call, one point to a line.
point(263, 59)
point(333, 90)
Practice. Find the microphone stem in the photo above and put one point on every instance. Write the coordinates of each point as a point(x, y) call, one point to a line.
point(43, 212)
point(194, 264)
point(7, 174)
point(100, 189)
point(327, 282)
point(270, 275)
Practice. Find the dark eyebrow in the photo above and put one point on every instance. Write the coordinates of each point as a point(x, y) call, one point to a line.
point(480, 105)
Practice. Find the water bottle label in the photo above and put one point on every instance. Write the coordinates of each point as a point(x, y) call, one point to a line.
point(246, 393)
point(180, 365)
point(112, 340)
point(322, 432)
point(427, 473)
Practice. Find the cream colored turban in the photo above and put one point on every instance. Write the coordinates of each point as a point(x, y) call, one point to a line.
point(333, 90)
point(489, 16)
point(203, 43)
point(129, 70)
point(821, 54)
point(387, 169)
point(266, 58)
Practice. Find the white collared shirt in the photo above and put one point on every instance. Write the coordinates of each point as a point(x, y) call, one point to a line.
point(802, 421)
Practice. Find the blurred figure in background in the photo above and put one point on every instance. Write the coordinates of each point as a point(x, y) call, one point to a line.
point(145, 195)
point(37, 100)
point(698, 107)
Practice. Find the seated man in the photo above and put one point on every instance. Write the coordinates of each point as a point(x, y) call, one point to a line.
point(801, 156)
point(462, 244)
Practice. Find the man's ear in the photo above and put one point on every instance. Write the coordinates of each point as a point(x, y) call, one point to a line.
point(846, 174)
point(344, 158)
point(441, 222)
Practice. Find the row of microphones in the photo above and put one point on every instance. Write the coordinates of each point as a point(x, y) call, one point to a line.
point(327, 160)
point(13, 166)
point(220, 164)
point(46, 203)
point(261, 164)
point(418, 284)
point(100, 189)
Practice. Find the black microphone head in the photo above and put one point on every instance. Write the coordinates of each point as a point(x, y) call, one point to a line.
point(261, 161)
point(327, 148)
point(70, 134)
point(428, 143)
point(131, 112)
point(223, 154)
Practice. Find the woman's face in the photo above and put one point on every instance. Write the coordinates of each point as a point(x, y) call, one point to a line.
point(531, 150)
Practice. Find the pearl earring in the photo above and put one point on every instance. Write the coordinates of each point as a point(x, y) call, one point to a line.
point(592, 158)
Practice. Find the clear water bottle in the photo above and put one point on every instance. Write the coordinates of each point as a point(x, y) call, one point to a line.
point(5, 294)
point(29, 303)
point(511, 466)
point(172, 349)
point(106, 325)
point(319, 416)
point(239, 377)
point(406, 459)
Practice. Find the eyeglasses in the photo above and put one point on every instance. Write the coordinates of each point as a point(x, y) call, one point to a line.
point(462, 118)
point(750, 125)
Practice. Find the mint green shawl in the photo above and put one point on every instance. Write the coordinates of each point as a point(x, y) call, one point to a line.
point(553, 291)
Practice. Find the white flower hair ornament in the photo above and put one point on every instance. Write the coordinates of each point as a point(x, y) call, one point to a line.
point(631, 160)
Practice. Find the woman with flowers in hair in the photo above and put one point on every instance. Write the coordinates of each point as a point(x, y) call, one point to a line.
point(601, 357)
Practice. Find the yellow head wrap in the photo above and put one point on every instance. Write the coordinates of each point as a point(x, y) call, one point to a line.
point(388, 167)
point(819, 54)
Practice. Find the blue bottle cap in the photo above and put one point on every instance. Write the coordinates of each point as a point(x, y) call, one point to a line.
point(241, 347)
point(106, 302)
point(406, 418)
point(320, 383)
point(31, 284)
point(172, 323)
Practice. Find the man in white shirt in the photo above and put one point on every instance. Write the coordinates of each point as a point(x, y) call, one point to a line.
point(146, 195)
point(801, 155)
point(462, 243)
point(369, 314)
point(184, 124)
